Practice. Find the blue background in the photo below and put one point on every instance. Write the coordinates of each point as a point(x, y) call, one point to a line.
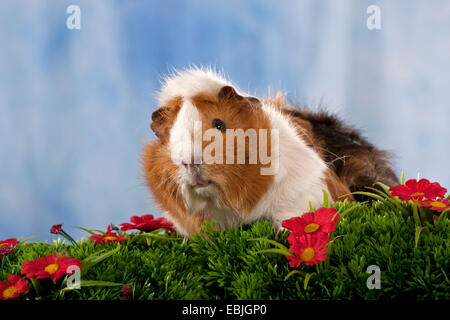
point(75, 105)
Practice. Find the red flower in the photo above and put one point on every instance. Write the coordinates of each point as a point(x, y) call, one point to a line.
point(147, 223)
point(125, 292)
point(418, 190)
point(9, 242)
point(51, 266)
point(108, 237)
point(56, 229)
point(308, 249)
point(12, 288)
point(6, 250)
point(436, 204)
point(320, 221)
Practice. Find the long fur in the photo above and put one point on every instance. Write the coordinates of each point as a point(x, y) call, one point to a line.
point(316, 152)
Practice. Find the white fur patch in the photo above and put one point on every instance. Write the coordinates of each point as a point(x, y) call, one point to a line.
point(181, 141)
point(300, 177)
point(191, 82)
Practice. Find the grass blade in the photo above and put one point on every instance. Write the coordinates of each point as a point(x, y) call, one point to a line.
point(290, 274)
point(307, 277)
point(277, 244)
point(157, 236)
point(277, 251)
point(96, 258)
point(91, 231)
point(417, 236)
point(326, 202)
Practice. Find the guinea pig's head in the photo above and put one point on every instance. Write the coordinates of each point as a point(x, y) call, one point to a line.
point(219, 141)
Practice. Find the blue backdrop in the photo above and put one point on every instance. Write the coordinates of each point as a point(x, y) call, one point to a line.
point(75, 105)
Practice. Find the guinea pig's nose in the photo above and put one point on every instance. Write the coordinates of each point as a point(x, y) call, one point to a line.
point(186, 165)
point(189, 165)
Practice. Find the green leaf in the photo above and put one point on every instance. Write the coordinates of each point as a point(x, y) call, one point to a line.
point(157, 236)
point(96, 258)
point(311, 209)
point(403, 177)
point(381, 193)
point(326, 203)
point(422, 213)
point(307, 277)
point(416, 214)
point(371, 195)
point(36, 285)
point(277, 244)
point(278, 251)
point(26, 239)
point(290, 274)
point(91, 231)
point(384, 187)
point(417, 235)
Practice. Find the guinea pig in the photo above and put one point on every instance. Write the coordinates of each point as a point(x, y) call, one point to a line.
point(224, 155)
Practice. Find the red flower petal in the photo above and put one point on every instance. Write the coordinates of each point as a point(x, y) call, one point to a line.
point(6, 250)
point(324, 216)
point(12, 288)
point(56, 229)
point(418, 190)
point(39, 268)
point(147, 223)
point(9, 242)
point(309, 249)
point(296, 224)
point(108, 237)
point(320, 221)
point(147, 217)
point(439, 205)
point(136, 219)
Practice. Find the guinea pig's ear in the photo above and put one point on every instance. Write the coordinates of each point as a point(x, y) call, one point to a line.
point(159, 122)
point(228, 93)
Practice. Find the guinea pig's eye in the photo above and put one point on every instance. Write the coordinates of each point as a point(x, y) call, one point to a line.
point(219, 125)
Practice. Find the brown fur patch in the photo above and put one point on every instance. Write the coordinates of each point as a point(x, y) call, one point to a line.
point(160, 176)
point(338, 190)
point(163, 118)
point(241, 185)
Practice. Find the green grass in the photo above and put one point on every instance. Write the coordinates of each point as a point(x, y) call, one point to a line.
point(226, 265)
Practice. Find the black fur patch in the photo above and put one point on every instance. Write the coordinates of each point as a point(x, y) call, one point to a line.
point(355, 161)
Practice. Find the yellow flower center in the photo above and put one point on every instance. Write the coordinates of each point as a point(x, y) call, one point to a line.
point(311, 227)
point(438, 204)
point(416, 194)
point(110, 238)
point(307, 254)
point(9, 292)
point(52, 268)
